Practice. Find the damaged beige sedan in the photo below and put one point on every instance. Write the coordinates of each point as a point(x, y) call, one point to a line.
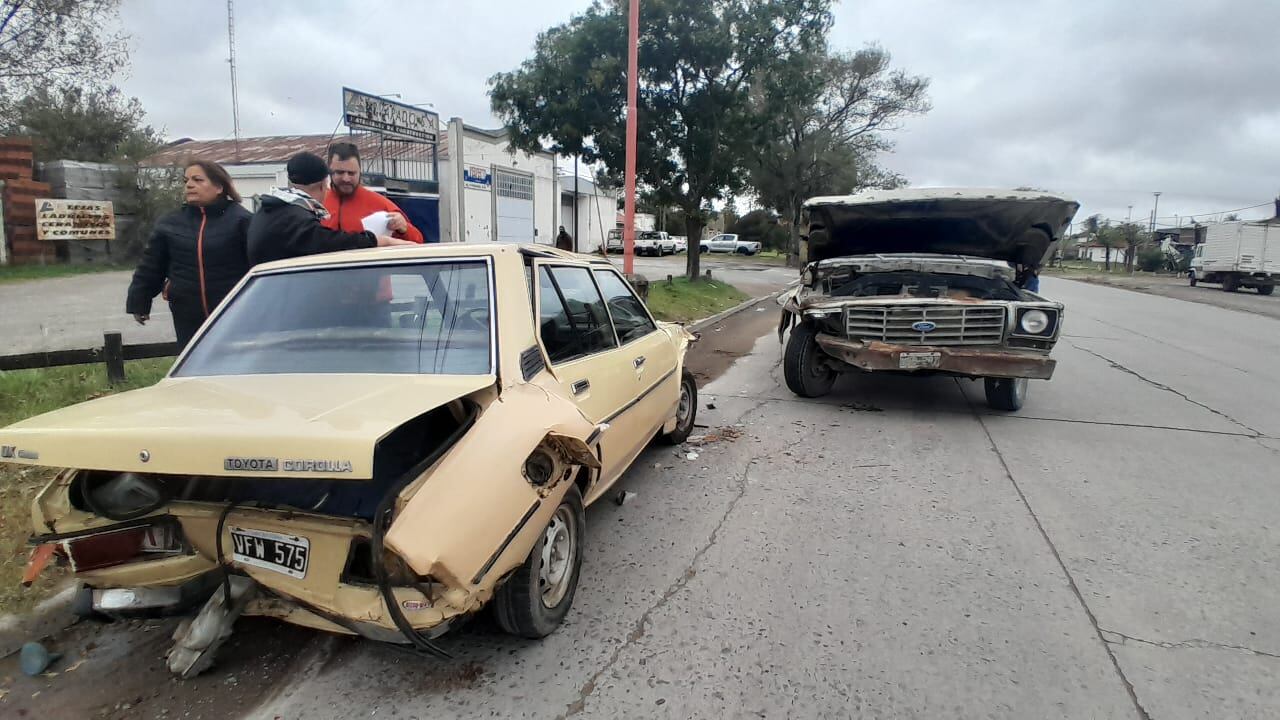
point(927, 281)
point(377, 443)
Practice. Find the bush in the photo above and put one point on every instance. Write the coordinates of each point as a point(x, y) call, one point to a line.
point(1151, 259)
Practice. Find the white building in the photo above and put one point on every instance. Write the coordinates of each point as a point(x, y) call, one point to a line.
point(474, 189)
point(1098, 253)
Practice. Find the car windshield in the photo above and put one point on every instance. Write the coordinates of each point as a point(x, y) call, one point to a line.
point(429, 318)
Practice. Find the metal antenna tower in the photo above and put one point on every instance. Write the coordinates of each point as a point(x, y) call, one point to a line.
point(235, 94)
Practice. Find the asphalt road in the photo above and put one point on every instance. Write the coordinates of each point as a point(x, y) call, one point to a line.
point(896, 550)
point(73, 312)
point(1247, 300)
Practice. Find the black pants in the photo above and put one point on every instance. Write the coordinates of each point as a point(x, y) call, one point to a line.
point(187, 318)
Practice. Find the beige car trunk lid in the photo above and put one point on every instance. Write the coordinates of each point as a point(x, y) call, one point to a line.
point(304, 426)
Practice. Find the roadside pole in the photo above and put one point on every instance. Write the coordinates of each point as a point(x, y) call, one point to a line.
point(629, 202)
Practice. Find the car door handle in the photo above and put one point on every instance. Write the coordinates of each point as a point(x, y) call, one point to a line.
point(581, 386)
point(639, 362)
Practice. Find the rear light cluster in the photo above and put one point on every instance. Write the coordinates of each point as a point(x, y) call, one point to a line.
point(119, 547)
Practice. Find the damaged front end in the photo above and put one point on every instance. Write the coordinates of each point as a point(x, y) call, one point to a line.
point(394, 543)
point(926, 282)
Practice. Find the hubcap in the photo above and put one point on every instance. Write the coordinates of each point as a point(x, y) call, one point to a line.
point(559, 547)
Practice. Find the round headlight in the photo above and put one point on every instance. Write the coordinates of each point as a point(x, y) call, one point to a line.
point(1034, 321)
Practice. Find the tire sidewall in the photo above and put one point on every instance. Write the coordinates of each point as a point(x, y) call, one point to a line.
point(801, 356)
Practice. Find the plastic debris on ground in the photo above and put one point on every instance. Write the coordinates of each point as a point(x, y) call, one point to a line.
point(624, 497)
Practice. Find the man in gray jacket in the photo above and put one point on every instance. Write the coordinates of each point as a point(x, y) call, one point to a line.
point(288, 222)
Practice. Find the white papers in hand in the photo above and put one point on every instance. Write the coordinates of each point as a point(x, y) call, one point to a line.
point(376, 223)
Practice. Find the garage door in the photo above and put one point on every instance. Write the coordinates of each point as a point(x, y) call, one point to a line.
point(513, 196)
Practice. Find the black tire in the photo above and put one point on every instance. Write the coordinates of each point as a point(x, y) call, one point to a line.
point(703, 249)
point(686, 410)
point(518, 605)
point(1266, 289)
point(1230, 283)
point(743, 251)
point(802, 365)
point(1006, 394)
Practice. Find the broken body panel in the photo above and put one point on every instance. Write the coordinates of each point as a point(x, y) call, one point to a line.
point(927, 281)
point(363, 503)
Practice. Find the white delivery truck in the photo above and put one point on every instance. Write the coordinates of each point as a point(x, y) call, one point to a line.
point(1239, 254)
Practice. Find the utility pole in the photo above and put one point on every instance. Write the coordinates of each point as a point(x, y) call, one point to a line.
point(629, 202)
point(1153, 213)
point(235, 95)
point(575, 203)
point(1129, 216)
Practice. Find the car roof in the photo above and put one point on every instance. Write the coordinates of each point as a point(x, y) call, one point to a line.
point(429, 251)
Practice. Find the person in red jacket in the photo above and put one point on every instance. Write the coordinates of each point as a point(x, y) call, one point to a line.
point(349, 202)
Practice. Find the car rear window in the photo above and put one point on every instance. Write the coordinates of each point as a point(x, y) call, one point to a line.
point(429, 318)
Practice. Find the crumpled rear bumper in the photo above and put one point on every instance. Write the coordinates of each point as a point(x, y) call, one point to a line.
point(875, 356)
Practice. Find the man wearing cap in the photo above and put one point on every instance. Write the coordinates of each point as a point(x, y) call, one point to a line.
point(288, 222)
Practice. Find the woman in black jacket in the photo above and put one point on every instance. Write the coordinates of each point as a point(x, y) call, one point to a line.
point(196, 254)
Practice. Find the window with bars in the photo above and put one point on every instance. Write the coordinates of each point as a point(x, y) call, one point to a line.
point(515, 186)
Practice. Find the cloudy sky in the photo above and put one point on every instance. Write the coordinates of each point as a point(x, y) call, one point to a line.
point(1105, 101)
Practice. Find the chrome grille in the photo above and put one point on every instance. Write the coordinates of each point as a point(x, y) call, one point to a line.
point(956, 324)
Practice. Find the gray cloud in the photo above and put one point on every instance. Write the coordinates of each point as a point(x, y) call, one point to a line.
point(1105, 101)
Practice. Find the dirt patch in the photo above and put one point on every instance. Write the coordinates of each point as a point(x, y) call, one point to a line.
point(118, 671)
point(726, 341)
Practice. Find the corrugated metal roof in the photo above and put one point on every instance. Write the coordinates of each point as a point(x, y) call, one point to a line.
point(278, 149)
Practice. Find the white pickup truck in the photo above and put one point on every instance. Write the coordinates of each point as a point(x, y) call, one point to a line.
point(648, 242)
point(729, 243)
point(1239, 254)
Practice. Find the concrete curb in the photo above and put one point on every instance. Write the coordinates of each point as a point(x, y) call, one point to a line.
point(721, 316)
point(50, 616)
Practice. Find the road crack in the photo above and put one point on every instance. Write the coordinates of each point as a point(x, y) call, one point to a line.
point(1057, 556)
point(1194, 643)
point(640, 628)
point(1252, 432)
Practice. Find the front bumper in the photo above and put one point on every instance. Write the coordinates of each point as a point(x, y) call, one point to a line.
point(875, 356)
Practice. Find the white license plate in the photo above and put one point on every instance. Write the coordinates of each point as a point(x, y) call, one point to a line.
point(918, 360)
point(287, 554)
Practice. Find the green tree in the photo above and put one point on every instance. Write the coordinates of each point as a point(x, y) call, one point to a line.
point(824, 118)
point(94, 124)
point(1100, 231)
point(697, 62)
point(44, 43)
point(761, 226)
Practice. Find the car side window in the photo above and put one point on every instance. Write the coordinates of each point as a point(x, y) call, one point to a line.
point(572, 320)
point(629, 316)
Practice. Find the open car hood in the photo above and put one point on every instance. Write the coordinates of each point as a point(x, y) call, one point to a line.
point(1012, 226)
point(311, 426)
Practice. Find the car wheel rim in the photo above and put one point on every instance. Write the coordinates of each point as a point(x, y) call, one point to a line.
point(684, 409)
point(558, 550)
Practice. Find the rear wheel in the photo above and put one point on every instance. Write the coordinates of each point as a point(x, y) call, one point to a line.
point(1266, 289)
point(804, 365)
point(533, 601)
point(686, 410)
point(702, 248)
point(1006, 394)
point(743, 251)
point(1230, 283)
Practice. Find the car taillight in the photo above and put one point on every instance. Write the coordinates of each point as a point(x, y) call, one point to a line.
point(109, 549)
